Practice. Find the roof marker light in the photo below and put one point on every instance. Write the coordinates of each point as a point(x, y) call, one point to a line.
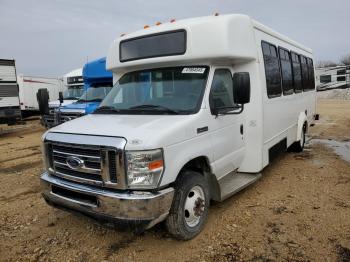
point(146, 26)
point(173, 20)
point(158, 23)
point(122, 35)
point(216, 14)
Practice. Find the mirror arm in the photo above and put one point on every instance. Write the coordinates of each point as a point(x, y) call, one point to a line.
point(217, 113)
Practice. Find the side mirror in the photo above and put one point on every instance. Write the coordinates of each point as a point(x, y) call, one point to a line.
point(241, 87)
point(60, 97)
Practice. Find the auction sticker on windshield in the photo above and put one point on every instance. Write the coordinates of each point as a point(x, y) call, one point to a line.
point(193, 70)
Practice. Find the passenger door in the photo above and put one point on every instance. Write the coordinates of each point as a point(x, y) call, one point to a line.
point(227, 129)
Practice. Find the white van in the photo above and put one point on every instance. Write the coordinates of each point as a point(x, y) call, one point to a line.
point(198, 109)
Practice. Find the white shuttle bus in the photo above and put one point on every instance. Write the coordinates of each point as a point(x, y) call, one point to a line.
point(199, 108)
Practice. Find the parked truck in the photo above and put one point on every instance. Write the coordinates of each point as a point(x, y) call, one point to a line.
point(28, 88)
point(10, 110)
point(74, 88)
point(199, 108)
point(97, 83)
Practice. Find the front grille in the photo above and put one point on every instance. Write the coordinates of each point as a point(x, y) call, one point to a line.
point(94, 165)
point(65, 117)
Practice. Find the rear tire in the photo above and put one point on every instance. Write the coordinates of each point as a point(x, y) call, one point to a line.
point(189, 210)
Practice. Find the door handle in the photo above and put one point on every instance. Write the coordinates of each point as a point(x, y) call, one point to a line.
point(241, 129)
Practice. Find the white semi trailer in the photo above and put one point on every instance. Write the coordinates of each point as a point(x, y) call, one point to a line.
point(199, 108)
point(9, 97)
point(29, 86)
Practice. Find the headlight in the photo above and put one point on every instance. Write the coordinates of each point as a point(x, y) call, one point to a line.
point(144, 168)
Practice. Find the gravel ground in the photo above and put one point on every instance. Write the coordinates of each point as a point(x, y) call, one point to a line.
point(342, 94)
point(298, 211)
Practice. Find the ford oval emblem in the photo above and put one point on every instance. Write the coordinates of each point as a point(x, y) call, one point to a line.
point(74, 162)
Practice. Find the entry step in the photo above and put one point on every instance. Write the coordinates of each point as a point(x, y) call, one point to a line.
point(235, 182)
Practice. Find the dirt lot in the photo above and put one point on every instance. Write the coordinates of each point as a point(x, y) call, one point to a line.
point(298, 211)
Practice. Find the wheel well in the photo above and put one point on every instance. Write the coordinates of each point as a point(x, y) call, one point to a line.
point(201, 165)
point(305, 127)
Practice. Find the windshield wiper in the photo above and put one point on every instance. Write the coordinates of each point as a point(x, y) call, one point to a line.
point(107, 109)
point(156, 107)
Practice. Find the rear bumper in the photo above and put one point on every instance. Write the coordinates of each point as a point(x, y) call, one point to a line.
point(143, 208)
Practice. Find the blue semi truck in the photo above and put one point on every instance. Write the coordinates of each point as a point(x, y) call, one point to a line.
point(97, 84)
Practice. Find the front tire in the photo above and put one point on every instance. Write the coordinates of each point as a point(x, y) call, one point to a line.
point(189, 210)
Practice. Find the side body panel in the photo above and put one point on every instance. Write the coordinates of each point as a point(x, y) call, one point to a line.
point(281, 114)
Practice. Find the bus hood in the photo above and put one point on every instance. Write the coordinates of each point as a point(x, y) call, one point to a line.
point(140, 131)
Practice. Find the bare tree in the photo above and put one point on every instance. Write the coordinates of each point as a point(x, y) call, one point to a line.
point(325, 63)
point(345, 60)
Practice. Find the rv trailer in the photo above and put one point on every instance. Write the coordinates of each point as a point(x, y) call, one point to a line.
point(10, 110)
point(332, 77)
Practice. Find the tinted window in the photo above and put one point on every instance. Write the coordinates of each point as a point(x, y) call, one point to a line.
point(296, 73)
point(304, 73)
point(286, 69)
point(272, 71)
point(341, 72)
point(325, 78)
point(341, 78)
point(221, 93)
point(166, 44)
point(310, 65)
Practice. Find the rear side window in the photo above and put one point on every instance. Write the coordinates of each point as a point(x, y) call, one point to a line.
point(272, 70)
point(286, 70)
point(325, 79)
point(304, 73)
point(310, 66)
point(296, 73)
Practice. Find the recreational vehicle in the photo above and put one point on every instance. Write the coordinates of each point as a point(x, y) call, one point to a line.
point(198, 109)
point(332, 77)
point(10, 110)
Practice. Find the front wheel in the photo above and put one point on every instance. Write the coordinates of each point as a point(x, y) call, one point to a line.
point(189, 210)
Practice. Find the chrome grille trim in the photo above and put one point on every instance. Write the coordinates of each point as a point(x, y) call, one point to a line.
point(95, 170)
point(72, 154)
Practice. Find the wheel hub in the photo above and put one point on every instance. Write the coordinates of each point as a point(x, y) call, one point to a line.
point(194, 206)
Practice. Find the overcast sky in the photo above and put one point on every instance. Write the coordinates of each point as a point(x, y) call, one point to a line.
point(52, 37)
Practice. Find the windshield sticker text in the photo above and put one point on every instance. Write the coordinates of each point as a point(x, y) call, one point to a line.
point(193, 70)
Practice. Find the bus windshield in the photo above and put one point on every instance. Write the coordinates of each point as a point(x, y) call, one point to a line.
point(176, 90)
point(96, 93)
point(73, 92)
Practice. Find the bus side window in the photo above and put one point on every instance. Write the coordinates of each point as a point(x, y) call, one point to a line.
point(304, 73)
point(286, 70)
point(310, 65)
point(272, 70)
point(297, 82)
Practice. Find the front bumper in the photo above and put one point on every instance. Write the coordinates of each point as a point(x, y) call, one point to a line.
point(140, 208)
